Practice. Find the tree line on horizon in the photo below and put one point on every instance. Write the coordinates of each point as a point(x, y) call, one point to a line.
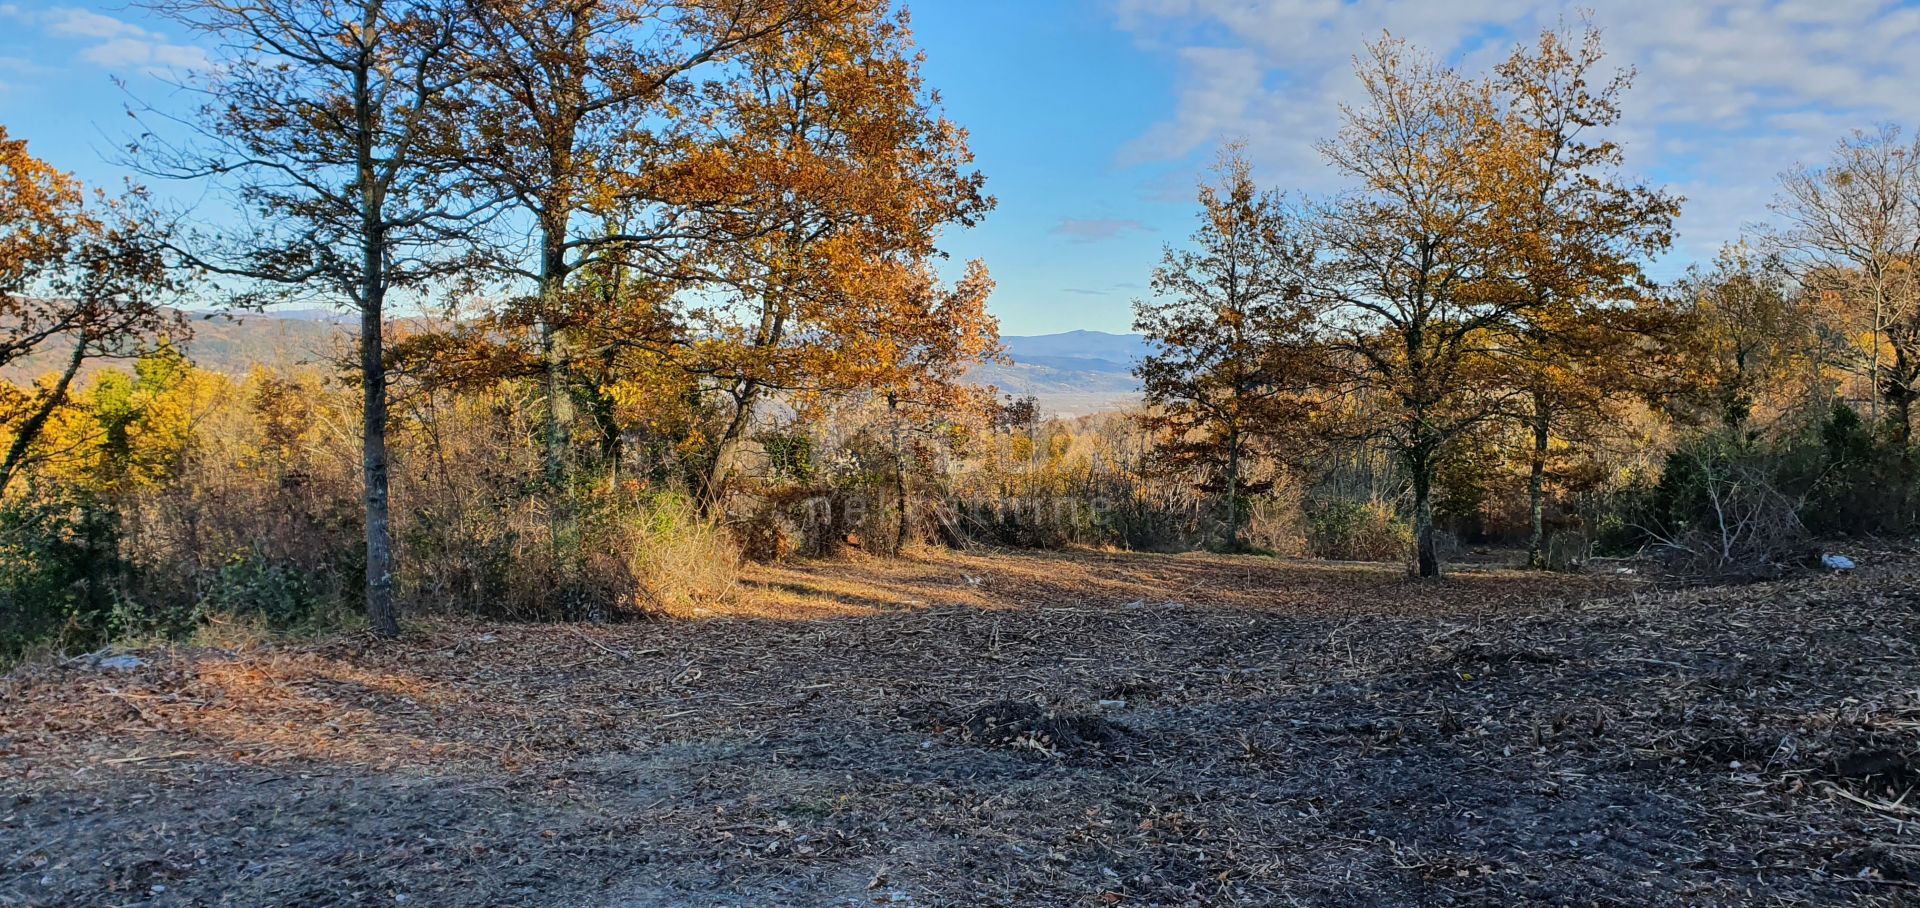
point(691, 308)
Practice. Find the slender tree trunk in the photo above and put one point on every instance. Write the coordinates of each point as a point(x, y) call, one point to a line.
point(1900, 394)
point(553, 277)
point(1233, 490)
point(1427, 552)
point(1901, 383)
point(903, 528)
point(29, 431)
point(1536, 485)
point(1873, 368)
point(382, 617)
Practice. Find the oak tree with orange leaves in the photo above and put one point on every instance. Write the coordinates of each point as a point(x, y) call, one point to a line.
point(855, 173)
point(1410, 270)
point(924, 343)
point(578, 111)
point(1233, 358)
point(1482, 219)
point(1583, 233)
point(1745, 333)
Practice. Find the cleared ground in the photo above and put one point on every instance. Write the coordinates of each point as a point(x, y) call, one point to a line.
point(1012, 730)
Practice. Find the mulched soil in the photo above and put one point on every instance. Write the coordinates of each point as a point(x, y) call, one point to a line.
point(1012, 729)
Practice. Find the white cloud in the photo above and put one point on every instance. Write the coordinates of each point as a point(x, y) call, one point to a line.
point(1728, 93)
point(115, 43)
point(68, 22)
point(1214, 91)
point(145, 55)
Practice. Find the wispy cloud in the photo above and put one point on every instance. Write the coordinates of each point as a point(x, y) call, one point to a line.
point(114, 44)
point(1728, 92)
point(1117, 288)
point(145, 55)
point(1094, 230)
point(67, 22)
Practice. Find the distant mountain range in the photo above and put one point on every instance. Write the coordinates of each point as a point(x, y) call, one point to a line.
point(1071, 374)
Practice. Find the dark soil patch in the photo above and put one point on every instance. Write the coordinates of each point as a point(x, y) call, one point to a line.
point(1022, 725)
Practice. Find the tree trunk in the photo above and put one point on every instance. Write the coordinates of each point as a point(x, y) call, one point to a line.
point(903, 527)
point(1536, 486)
point(1899, 391)
point(554, 455)
point(553, 277)
point(713, 484)
point(29, 431)
point(1427, 552)
point(382, 618)
point(1233, 490)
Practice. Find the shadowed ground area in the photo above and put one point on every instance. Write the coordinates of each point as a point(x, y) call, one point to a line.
point(1002, 729)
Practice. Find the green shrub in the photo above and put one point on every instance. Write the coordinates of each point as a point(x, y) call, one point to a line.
point(1357, 531)
point(280, 594)
point(59, 564)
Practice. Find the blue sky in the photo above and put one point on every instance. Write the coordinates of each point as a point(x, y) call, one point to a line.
point(1092, 118)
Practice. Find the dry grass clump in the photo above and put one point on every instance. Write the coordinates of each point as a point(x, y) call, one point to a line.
point(680, 563)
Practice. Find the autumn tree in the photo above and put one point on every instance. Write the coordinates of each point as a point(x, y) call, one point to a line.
point(1231, 362)
point(330, 123)
point(575, 112)
point(1583, 233)
point(1485, 216)
point(1744, 332)
point(855, 171)
point(80, 278)
point(1411, 266)
point(1851, 234)
point(927, 342)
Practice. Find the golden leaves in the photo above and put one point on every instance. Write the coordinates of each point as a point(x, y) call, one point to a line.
point(41, 214)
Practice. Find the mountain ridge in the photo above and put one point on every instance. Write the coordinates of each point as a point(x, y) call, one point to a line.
point(1070, 373)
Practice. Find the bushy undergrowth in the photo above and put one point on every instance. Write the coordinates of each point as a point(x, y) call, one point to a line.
point(58, 562)
point(208, 500)
point(1752, 505)
point(1357, 531)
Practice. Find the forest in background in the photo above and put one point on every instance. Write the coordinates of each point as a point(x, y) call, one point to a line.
point(691, 309)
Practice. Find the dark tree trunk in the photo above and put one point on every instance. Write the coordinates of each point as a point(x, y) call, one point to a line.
point(904, 527)
point(553, 278)
point(1899, 381)
point(714, 481)
point(1536, 486)
point(1233, 490)
point(382, 617)
point(1426, 551)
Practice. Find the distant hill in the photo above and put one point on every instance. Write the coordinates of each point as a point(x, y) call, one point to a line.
point(237, 343)
point(1094, 350)
point(230, 343)
point(1072, 373)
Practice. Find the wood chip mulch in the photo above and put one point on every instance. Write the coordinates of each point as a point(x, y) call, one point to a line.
point(1012, 729)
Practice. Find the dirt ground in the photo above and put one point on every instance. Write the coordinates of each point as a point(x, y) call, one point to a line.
point(1011, 729)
